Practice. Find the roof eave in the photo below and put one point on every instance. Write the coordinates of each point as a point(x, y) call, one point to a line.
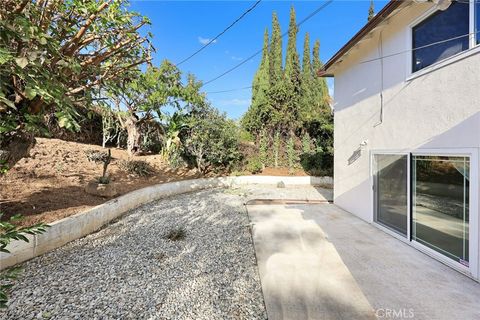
point(370, 26)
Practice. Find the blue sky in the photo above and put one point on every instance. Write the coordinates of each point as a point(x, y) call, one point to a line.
point(180, 28)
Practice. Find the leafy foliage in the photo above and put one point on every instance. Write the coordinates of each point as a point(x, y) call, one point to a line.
point(101, 157)
point(292, 156)
point(9, 232)
point(276, 148)
point(263, 149)
point(290, 101)
point(211, 140)
point(254, 165)
point(58, 55)
point(138, 168)
point(317, 163)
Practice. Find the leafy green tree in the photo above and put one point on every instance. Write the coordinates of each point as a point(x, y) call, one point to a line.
point(57, 56)
point(146, 94)
point(211, 141)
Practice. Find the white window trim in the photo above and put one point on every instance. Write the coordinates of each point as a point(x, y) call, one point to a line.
point(473, 47)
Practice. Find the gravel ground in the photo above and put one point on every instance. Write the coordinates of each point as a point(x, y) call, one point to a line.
point(129, 270)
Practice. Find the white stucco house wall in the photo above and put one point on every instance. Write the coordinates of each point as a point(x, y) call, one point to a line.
point(407, 127)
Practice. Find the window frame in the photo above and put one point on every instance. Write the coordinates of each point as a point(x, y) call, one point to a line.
point(473, 47)
point(473, 270)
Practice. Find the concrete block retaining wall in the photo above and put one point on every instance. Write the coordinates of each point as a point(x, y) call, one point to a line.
point(84, 223)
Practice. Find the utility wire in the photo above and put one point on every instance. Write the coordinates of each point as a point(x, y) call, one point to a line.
point(376, 59)
point(220, 34)
point(323, 6)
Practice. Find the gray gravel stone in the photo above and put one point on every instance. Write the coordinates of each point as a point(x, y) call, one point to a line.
point(129, 270)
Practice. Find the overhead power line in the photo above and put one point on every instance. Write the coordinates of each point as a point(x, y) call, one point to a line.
point(221, 33)
point(376, 59)
point(323, 6)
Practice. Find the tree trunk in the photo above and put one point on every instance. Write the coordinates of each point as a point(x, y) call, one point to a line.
point(134, 136)
point(16, 147)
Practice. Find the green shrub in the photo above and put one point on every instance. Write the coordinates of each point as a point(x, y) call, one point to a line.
point(211, 141)
point(101, 157)
point(263, 149)
point(276, 148)
point(254, 165)
point(306, 143)
point(138, 168)
point(292, 156)
point(8, 233)
point(317, 163)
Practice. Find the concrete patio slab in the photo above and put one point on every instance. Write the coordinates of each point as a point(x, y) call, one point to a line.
point(399, 281)
point(295, 241)
point(302, 275)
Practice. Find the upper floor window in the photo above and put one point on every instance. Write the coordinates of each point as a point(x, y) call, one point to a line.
point(477, 21)
point(441, 35)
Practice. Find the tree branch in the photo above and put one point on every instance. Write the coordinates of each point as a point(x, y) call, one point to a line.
point(70, 46)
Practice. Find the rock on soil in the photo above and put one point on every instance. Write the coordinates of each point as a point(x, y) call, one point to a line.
point(130, 270)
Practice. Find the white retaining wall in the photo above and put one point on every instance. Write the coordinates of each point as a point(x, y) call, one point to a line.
point(84, 223)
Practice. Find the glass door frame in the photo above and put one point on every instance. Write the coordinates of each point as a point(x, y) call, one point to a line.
point(374, 195)
point(472, 153)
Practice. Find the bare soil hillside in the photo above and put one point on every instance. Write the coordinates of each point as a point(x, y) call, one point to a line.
point(49, 185)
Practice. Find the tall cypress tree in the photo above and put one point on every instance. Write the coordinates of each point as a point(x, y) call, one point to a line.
point(371, 11)
point(320, 88)
point(275, 58)
point(292, 63)
point(258, 113)
point(307, 83)
point(261, 79)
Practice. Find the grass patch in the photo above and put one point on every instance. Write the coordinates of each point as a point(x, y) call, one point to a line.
point(176, 234)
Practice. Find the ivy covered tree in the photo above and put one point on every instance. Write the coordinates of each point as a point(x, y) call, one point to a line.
point(260, 110)
point(58, 56)
point(297, 101)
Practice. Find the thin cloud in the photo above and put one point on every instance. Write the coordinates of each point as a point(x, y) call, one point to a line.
point(235, 102)
point(204, 41)
point(236, 58)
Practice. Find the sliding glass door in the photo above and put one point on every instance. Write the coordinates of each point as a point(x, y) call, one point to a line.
point(440, 204)
point(391, 191)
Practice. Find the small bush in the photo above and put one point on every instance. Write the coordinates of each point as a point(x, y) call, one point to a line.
point(101, 157)
point(254, 165)
point(317, 163)
point(276, 148)
point(176, 234)
point(263, 149)
point(96, 156)
point(306, 143)
point(211, 141)
point(138, 168)
point(103, 180)
point(292, 156)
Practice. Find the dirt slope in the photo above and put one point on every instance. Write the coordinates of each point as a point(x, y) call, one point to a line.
point(49, 185)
